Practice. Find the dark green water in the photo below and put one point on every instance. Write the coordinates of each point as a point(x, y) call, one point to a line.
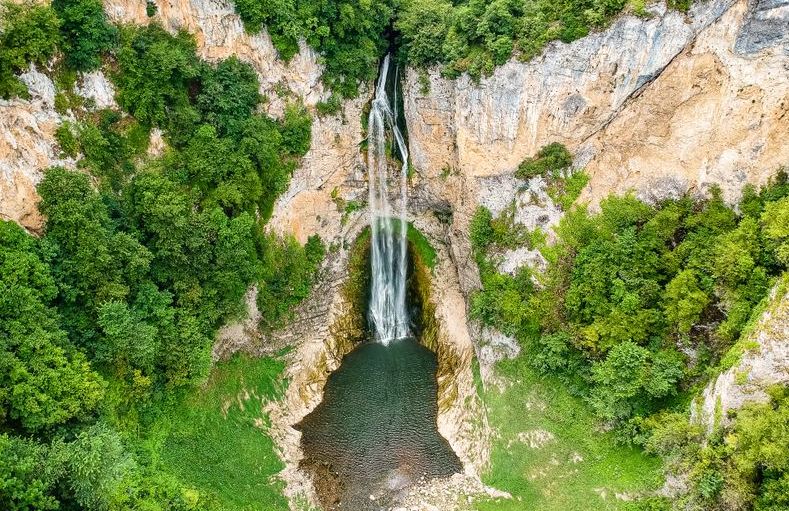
point(375, 431)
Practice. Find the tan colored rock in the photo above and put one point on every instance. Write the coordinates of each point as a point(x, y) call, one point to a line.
point(27, 147)
point(332, 166)
point(714, 116)
point(658, 105)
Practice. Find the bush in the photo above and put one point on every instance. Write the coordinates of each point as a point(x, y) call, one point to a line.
point(85, 31)
point(289, 271)
point(28, 34)
point(480, 230)
point(67, 139)
point(155, 73)
point(550, 161)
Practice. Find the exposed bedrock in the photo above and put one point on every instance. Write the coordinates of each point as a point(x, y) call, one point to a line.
point(660, 105)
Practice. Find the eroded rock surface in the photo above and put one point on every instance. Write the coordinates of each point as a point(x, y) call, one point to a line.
point(664, 104)
point(27, 146)
point(714, 116)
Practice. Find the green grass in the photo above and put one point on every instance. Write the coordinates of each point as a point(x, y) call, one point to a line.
point(422, 246)
point(564, 191)
point(215, 439)
point(580, 469)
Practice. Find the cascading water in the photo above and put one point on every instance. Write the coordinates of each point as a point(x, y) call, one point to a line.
point(375, 434)
point(388, 313)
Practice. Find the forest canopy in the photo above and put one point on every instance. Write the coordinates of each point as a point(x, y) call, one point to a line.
point(640, 305)
point(108, 318)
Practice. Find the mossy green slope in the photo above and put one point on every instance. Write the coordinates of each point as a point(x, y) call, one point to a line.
point(216, 439)
point(576, 467)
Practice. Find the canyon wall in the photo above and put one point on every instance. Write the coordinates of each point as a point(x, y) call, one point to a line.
point(762, 360)
point(27, 146)
point(661, 105)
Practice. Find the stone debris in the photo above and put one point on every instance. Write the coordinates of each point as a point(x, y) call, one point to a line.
point(535, 438)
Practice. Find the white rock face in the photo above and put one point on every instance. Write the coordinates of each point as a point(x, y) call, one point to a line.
point(39, 86)
point(765, 363)
point(96, 87)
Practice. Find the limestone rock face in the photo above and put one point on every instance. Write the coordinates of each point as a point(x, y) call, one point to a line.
point(331, 173)
point(97, 88)
point(566, 94)
point(765, 363)
point(27, 130)
point(672, 101)
point(718, 114)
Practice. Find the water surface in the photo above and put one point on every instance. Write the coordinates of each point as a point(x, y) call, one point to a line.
point(375, 431)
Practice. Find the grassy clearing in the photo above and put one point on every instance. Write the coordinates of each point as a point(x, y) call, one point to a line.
point(215, 439)
point(580, 468)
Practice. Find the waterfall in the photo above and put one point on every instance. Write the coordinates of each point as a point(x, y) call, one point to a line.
point(388, 313)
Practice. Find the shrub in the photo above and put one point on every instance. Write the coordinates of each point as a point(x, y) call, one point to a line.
point(85, 31)
point(155, 73)
point(550, 161)
point(228, 95)
point(288, 273)
point(28, 34)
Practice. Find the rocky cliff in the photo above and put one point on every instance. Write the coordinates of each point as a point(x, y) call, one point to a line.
point(660, 104)
point(27, 129)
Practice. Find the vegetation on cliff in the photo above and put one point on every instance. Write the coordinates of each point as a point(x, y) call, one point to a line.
point(475, 36)
point(471, 36)
point(108, 319)
point(640, 305)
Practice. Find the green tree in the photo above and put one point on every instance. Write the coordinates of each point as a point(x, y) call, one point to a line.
point(630, 378)
point(155, 72)
point(424, 26)
point(44, 381)
point(91, 261)
point(28, 34)
point(85, 31)
point(25, 480)
point(228, 95)
point(224, 176)
point(96, 466)
point(684, 302)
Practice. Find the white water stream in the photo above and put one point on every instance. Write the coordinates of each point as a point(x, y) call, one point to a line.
point(388, 313)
